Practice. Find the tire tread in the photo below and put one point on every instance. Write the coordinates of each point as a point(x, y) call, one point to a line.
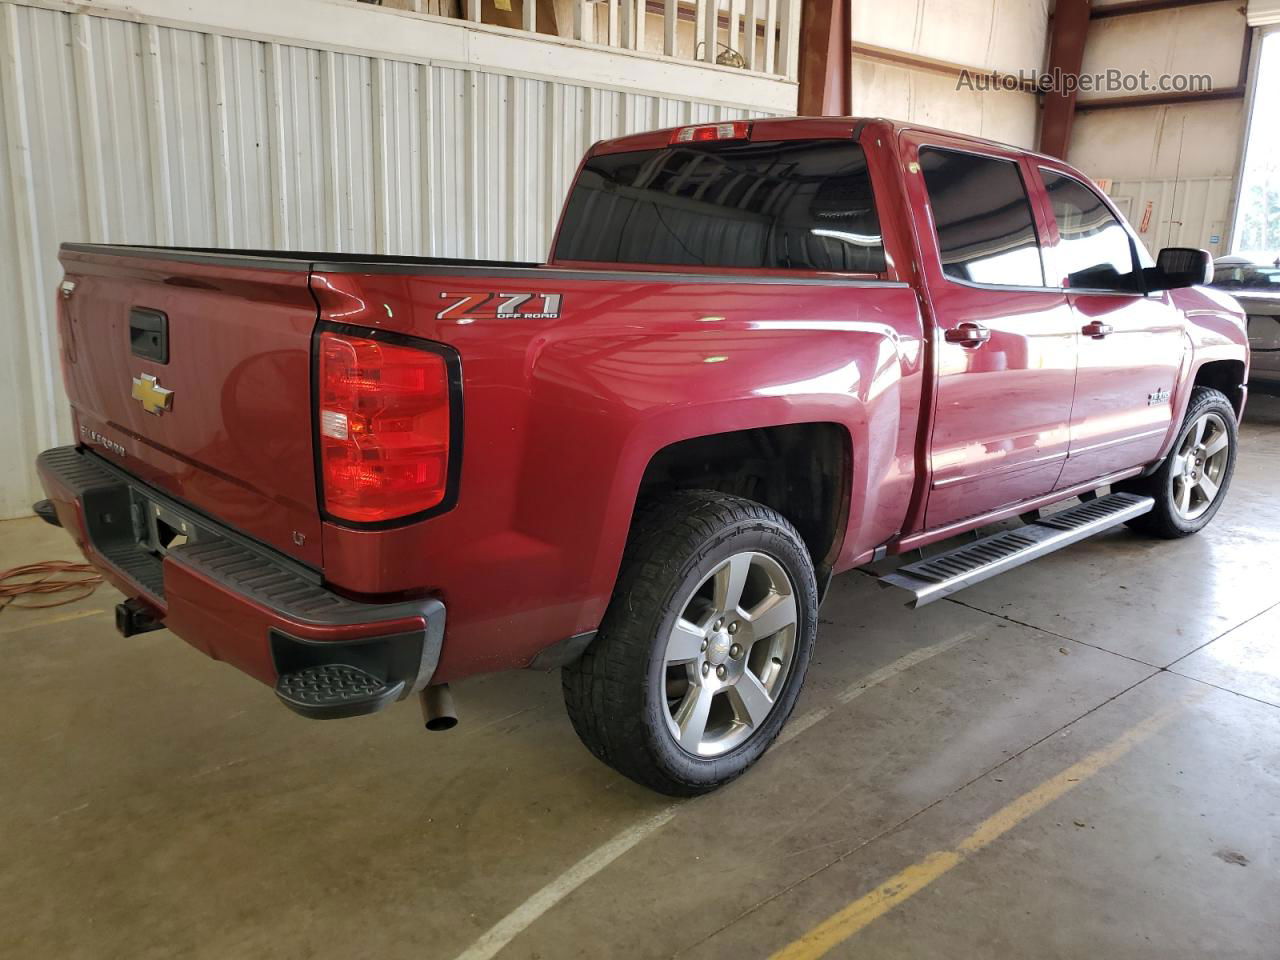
point(604, 701)
point(1162, 521)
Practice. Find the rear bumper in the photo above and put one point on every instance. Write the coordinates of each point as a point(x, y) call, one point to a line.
point(233, 598)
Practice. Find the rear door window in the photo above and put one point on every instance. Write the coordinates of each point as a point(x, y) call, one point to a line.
point(983, 219)
point(1093, 251)
point(790, 205)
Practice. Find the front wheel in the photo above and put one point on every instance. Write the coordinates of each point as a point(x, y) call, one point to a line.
point(704, 647)
point(1192, 482)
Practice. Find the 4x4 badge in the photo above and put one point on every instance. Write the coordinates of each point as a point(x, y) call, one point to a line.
point(154, 398)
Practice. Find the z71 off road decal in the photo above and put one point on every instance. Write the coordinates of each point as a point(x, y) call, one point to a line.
point(493, 306)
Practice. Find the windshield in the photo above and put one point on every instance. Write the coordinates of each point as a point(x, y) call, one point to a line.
point(1247, 278)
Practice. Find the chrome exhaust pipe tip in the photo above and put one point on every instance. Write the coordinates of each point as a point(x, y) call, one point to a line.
point(438, 711)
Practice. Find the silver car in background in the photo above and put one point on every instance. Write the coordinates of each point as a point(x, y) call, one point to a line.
point(1257, 287)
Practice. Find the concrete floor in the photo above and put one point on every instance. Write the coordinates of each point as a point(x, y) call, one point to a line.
point(1078, 759)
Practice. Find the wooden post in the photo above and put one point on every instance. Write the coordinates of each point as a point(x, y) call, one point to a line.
point(826, 59)
point(1066, 54)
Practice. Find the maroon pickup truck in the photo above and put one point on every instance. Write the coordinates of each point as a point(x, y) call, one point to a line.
point(761, 353)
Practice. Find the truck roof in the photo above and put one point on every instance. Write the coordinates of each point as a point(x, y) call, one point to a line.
point(800, 128)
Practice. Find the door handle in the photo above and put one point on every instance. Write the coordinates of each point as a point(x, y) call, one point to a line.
point(968, 334)
point(1097, 329)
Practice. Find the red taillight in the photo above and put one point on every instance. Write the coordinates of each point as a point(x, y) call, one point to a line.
point(736, 130)
point(383, 428)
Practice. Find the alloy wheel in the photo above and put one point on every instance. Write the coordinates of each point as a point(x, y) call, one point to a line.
point(729, 654)
point(1199, 464)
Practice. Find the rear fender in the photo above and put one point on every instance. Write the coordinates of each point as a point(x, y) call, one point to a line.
point(714, 386)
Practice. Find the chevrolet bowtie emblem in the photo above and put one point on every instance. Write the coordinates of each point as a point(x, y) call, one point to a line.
point(153, 397)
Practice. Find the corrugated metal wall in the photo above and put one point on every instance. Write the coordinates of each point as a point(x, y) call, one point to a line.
point(124, 132)
point(1189, 212)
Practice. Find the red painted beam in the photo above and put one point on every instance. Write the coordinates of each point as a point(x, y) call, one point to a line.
point(1162, 99)
point(826, 59)
point(1144, 6)
point(1066, 54)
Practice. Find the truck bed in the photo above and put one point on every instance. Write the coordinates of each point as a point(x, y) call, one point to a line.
point(590, 374)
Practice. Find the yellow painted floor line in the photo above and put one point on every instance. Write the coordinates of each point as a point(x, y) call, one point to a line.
point(25, 624)
point(905, 884)
point(514, 923)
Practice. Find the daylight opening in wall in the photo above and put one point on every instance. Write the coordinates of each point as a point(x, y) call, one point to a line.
point(1257, 228)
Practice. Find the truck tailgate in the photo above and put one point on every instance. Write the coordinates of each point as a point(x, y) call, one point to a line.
point(230, 337)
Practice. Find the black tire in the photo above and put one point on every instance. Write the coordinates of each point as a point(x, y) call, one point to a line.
point(617, 692)
point(1165, 520)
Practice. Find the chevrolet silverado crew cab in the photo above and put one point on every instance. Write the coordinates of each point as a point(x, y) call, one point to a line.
point(761, 353)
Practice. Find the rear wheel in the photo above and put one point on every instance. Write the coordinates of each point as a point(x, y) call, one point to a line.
point(1192, 482)
point(704, 647)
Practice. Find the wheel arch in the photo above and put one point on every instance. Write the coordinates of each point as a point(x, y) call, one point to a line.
point(803, 470)
point(1225, 376)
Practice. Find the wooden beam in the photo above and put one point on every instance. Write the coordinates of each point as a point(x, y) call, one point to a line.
point(1162, 99)
point(946, 68)
point(826, 58)
point(1143, 6)
point(1066, 54)
point(1246, 57)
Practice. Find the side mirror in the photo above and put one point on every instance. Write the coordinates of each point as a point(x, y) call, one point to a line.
point(1180, 267)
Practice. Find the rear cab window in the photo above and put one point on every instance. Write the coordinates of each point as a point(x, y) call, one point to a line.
point(780, 205)
point(982, 217)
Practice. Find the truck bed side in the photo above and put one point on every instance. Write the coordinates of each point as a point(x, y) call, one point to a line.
point(564, 413)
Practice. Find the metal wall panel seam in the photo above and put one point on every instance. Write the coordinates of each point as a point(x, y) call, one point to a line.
point(329, 147)
point(381, 209)
point(157, 137)
point(91, 143)
point(427, 135)
point(224, 228)
point(279, 167)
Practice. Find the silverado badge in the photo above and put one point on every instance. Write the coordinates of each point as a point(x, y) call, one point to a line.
point(154, 398)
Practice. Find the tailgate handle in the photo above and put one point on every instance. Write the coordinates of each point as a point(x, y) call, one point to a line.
point(149, 334)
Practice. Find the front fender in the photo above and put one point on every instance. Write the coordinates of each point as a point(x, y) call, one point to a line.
point(1216, 330)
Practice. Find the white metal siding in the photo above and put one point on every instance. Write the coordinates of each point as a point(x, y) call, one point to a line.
point(1189, 212)
point(1263, 13)
point(122, 132)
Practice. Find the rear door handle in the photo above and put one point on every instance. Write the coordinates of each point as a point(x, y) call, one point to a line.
point(968, 334)
point(1097, 329)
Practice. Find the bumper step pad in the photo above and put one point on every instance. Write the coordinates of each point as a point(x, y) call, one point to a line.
point(335, 690)
point(940, 576)
point(45, 510)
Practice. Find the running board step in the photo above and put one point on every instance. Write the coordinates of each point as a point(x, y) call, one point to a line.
point(941, 576)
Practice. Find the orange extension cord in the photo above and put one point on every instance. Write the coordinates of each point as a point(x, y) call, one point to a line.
point(44, 579)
